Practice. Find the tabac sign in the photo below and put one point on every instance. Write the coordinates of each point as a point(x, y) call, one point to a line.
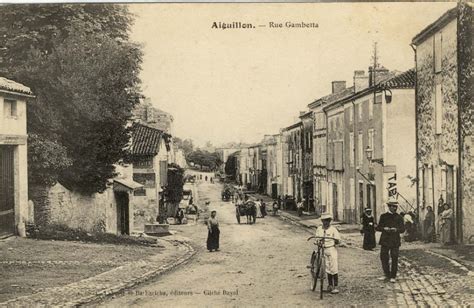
point(13, 139)
point(392, 186)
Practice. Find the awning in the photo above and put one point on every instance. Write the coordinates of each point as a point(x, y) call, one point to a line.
point(126, 185)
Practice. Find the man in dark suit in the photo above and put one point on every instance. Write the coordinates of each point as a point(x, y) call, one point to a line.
point(391, 225)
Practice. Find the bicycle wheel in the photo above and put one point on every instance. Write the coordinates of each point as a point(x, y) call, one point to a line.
point(315, 270)
point(322, 273)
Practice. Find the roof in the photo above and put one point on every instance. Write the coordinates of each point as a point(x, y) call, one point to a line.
point(306, 115)
point(14, 87)
point(126, 185)
point(293, 126)
point(332, 99)
point(145, 140)
point(435, 26)
point(403, 80)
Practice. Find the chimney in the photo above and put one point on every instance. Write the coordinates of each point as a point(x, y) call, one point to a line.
point(381, 73)
point(338, 86)
point(361, 81)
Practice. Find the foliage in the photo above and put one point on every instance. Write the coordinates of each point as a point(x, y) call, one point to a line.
point(204, 159)
point(46, 158)
point(61, 232)
point(174, 190)
point(231, 166)
point(84, 72)
point(186, 145)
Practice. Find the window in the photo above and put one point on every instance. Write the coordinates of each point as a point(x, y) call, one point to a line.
point(360, 111)
point(360, 153)
point(437, 51)
point(371, 139)
point(139, 192)
point(9, 108)
point(438, 109)
point(351, 149)
point(351, 114)
point(371, 109)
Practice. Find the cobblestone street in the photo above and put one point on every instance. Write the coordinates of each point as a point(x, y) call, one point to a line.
point(259, 265)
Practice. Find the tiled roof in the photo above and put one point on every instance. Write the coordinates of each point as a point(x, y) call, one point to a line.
point(403, 80)
point(10, 85)
point(331, 98)
point(145, 140)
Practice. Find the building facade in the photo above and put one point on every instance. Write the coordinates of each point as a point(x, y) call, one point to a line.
point(307, 160)
point(150, 148)
point(293, 161)
point(444, 89)
point(13, 158)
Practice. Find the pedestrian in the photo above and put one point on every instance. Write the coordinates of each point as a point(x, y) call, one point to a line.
point(330, 251)
point(211, 180)
point(429, 225)
point(213, 232)
point(263, 208)
point(205, 178)
point(258, 207)
point(446, 224)
point(409, 227)
point(299, 207)
point(275, 207)
point(191, 200)
point(391, 225)
point(368, 230)
point(180, 216)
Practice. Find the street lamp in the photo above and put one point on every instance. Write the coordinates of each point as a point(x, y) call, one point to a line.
point(369, 152)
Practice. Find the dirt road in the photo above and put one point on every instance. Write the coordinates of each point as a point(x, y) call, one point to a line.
point(258, 265)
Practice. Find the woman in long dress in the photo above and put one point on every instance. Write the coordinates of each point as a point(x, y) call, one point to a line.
point(213, 232)
point(368, 230)
point(429, 224)
point(446, 221)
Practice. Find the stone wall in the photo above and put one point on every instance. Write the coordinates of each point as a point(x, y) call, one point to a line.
point(57, 204)
point(466, 89)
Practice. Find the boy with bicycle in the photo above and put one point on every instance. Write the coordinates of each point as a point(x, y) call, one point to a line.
point(330, 251)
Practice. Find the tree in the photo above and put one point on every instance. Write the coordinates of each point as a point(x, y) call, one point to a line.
point(186, 145)
point(231, 166)
point(204, 159)
point(84, 72)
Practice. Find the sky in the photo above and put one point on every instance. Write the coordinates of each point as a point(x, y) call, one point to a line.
point(236, 85)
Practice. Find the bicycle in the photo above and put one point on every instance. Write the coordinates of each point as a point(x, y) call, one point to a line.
point(318, 264)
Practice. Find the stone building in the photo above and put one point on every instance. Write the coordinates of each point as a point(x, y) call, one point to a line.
point(325, 199)
point(335, 159)
point(379, 143)
point(444, 88)
point(293, 161)
point(307, 160)
point(150, 148)
point(13, 157)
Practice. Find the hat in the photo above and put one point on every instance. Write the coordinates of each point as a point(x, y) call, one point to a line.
point(326, 216)
point(392, 203)
point(368, 209)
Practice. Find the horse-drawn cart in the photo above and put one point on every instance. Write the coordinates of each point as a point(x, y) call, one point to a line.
point(248, 209)
point(227, 193)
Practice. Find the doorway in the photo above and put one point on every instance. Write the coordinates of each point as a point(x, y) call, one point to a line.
point(7, 191)
point(334, 201)
point(123, 216)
